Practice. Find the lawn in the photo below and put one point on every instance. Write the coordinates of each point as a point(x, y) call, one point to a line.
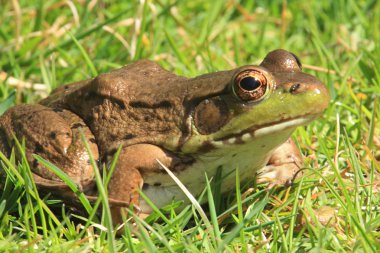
point(334, 207)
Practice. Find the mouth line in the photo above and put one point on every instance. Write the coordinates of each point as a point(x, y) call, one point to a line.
point(266, 129)
point(283, 125)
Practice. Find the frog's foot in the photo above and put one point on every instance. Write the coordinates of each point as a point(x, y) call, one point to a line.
point(127, 180)
point(124, 192)
point(277, 175)
point(282, 166)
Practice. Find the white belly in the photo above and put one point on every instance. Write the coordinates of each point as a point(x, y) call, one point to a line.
point(248, 157)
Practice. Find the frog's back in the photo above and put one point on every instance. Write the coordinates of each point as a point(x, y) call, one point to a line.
point(134, 80)
point(117, 105)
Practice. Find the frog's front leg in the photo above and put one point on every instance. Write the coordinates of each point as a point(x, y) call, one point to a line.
point(134, 163)
point(282, 166)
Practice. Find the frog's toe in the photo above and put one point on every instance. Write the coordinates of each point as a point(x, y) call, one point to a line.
point(122, 218)
point(277, 175)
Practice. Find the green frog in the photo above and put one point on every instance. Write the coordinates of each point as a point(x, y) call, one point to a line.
point(240, 118)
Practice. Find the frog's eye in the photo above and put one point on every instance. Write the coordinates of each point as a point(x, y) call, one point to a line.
point(250, 85)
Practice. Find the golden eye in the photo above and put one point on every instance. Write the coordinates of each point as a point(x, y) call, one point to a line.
point(250, 85)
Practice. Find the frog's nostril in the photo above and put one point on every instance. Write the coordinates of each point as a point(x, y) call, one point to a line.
point(294, 88)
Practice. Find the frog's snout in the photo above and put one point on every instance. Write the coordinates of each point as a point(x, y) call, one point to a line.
point(317, 94)
point(322, 94)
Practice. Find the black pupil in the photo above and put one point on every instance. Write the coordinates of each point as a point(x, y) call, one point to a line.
point(250, 83)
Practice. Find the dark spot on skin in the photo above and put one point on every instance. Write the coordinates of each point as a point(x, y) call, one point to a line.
point(57, 110)
point(181, 163)
point(120, 104)
point(143, 104)
point(157, 184)
point(113, 136)
point(179, 167)
point(90, 94)
point(67, 134)
point(294, 88)
point(164, 172)
point(129, 136)
point(206, 147)
point(95, 96)
point(52, 135)
point(239, 140)
point(187, 160)
point(234, 155)
point(92, 140)
point(39, 148)
point(186, 130)
point(164, 104)
point(76, 125)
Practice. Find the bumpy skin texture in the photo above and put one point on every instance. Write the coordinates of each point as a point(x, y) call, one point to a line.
point(154, 114)
point(139, 103)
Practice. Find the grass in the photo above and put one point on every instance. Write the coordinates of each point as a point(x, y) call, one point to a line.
point(44, 44)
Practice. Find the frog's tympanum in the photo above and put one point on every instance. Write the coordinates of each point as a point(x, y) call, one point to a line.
point(240, 118)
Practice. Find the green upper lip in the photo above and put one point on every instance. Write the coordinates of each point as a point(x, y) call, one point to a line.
point(252, 129)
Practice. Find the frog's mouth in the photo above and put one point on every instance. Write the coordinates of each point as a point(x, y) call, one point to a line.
point(264, 130)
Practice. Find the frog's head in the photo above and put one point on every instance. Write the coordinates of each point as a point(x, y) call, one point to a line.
point(253, 103)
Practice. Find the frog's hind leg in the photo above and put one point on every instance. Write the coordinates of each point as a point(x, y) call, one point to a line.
point(54, 135)
point(282, 166)
point(135, 163)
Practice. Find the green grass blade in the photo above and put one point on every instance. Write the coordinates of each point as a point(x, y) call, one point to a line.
point(240, 210)
point(255, 210)
point(8, 102)
point(86, 57)
point(67, 180)
point(214, 219)
point(103, 195)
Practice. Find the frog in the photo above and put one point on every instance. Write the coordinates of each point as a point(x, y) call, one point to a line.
point(234, 120)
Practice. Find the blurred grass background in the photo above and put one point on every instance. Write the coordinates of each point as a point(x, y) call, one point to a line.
point(44, 44)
